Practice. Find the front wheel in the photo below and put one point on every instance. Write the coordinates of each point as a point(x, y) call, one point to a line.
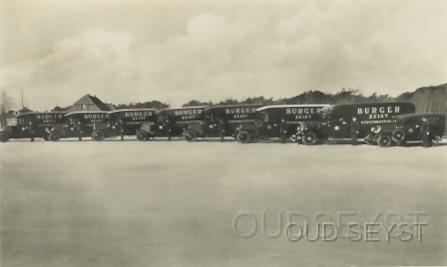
point(398, 136)
point(54, 137)
point(142, 136)
point(243, 137)
point(309, 138)
point(384, 141)
point(369, 139)
point(189, 136)
point(98, 136)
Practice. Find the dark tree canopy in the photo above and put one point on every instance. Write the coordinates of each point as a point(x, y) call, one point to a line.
point(148, 104)
point(197, 103)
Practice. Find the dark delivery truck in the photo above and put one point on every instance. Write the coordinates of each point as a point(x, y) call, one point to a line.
point(32, 125)
point(131, 122)
point(171, 122)
point(86, 123)
point(279, 121)
point(352, 121)
point(221, 121)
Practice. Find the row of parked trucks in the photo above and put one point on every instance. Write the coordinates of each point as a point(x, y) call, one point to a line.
point(384, 124)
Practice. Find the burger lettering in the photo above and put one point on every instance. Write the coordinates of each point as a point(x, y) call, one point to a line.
point(375, 113)
point(299, 111)
point(138, 115)
point(240, 110)
point(131, 114)
point(188, 114)
point(49, 118)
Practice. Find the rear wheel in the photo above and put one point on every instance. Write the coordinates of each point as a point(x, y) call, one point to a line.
point(4, 137)
point(384, 141)
point(98, 135)
point(309, 138)
point(243, 137)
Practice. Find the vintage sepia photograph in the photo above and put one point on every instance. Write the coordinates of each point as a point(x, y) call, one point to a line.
point(223, 133)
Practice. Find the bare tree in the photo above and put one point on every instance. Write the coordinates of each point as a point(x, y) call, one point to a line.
point(6, 103)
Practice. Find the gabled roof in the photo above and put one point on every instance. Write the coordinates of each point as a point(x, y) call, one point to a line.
point(25, 110)
point(93, 100)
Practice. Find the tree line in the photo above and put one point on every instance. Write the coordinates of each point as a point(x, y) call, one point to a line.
point(426, 99)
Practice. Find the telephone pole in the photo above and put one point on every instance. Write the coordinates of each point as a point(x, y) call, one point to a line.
point(21, 98)
point(3, 103)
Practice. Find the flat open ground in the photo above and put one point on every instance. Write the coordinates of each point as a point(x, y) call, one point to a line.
point(173, 204)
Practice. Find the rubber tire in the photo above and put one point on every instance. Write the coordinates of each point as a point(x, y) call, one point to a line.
point(98, 135)
point(370, 140)
point(142, 136)
point(189, 136)
point(384, 141)
point(398, 136)
point(4, 137)
point(309, 138)
point(243, 137)
point(54, 137)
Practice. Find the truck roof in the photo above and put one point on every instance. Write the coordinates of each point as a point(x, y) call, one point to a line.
point(86, 112)
point(131, 109)
point(406, 116)
point(292, 106)
point(372, 104)
point(233, 106)
point(180, 108)
point(39, 113)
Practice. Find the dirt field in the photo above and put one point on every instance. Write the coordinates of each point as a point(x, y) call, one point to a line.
point(174, 204)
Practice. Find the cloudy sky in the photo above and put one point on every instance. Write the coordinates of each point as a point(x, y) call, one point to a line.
point(139, 50)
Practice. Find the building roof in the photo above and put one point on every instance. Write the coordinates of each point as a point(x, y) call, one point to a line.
point(92, 100)
point(24, 110)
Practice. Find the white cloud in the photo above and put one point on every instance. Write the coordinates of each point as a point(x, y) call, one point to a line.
point(377, 46)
